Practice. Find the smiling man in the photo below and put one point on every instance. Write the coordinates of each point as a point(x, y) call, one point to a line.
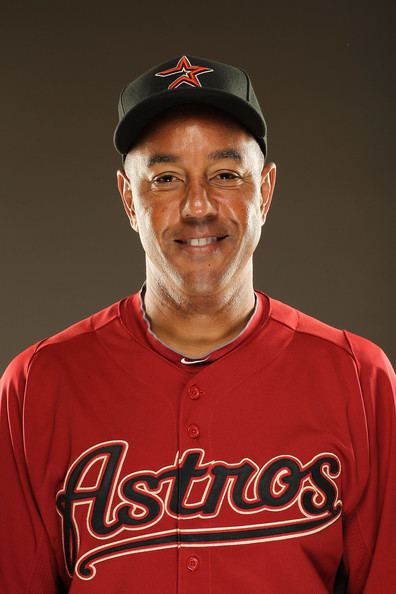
point(196, 191)
point(198, 435)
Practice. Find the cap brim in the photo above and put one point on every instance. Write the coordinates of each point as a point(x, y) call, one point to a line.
point(137, 118)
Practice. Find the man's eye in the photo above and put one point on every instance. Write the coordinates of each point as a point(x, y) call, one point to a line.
point(226, 177)
point(164, 179)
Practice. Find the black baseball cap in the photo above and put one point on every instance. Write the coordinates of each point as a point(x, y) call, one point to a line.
point(187, 79)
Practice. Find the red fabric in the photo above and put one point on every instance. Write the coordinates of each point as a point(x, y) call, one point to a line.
point(124, 471)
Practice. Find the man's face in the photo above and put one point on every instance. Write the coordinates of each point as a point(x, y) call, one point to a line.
point(196, 192)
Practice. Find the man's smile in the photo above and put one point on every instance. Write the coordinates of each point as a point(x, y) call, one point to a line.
point(201, 245)
point(199, 241)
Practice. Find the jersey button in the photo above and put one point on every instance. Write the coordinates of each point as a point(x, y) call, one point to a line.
point(193, 431)
point(192, 563)
point(194, 392)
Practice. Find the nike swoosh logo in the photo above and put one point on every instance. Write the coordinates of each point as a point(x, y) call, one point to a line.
point(183, 360)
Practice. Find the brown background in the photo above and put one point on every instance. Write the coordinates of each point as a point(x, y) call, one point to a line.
point(323, 72)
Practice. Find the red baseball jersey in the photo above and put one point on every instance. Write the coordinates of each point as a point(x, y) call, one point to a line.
point(265, 466)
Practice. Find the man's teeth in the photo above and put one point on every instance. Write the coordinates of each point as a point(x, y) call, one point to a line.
point(201, 241)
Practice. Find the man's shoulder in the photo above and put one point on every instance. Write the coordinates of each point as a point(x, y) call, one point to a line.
point(86, 326)
point(306, 324)
point(361, 349)
point(84, 329)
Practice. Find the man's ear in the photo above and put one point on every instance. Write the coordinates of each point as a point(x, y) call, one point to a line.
point(124, 188)
point(268, 177)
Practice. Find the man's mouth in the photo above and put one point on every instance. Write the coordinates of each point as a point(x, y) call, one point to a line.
point(200, 241)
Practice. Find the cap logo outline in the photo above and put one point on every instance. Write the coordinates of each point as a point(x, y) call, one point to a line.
point(188, 73)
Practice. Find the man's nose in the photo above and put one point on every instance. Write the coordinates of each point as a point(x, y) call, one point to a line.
point(197, 201)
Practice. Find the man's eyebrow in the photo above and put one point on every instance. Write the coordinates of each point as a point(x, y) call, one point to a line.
point(162, 158)
point(229, 153)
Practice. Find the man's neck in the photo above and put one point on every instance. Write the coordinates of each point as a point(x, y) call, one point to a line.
point(196, 324)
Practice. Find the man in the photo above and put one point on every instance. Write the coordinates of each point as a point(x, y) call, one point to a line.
point(198, 435)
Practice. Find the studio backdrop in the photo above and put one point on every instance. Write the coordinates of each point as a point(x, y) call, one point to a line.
point(323, 74)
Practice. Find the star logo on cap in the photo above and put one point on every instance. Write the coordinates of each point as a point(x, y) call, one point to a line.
point(187, 73)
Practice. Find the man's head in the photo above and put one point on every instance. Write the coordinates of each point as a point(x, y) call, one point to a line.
point(196, 173)
point(195, 185)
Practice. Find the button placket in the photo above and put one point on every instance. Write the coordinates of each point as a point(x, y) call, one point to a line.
point(194, 575)
point(195, 392)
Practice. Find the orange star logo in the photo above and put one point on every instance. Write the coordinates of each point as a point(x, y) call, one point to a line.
point(187, 73)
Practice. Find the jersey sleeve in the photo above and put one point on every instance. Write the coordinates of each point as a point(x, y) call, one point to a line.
point(27, 562)
point(370, 528)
